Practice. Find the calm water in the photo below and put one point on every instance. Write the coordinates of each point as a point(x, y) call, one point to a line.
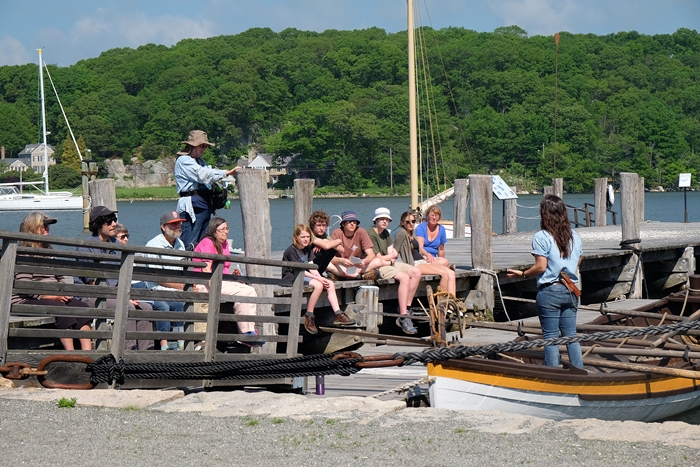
point(141, 217)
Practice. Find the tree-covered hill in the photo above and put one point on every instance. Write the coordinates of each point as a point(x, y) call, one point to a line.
point(338, 100)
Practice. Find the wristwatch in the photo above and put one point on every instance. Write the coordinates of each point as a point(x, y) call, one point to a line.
point(524, 276)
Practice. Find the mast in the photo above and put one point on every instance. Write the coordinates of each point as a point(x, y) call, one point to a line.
point(413, 127)
point(43, 124)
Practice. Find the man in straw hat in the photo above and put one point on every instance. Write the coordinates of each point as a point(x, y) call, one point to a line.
point(193, 180)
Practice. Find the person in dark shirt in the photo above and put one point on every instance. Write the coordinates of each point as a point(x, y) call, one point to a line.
point(301, 251)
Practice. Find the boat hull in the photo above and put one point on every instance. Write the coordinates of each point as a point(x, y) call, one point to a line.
point(29, 202)
point(560, 394)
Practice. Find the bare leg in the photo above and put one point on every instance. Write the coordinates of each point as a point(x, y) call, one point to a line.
point(442, 261)
point(315, 295)
point(447, 276)
point(332, 296)
point(85, 344)
point(67, 343)
point(414, 276)
point(404, 289)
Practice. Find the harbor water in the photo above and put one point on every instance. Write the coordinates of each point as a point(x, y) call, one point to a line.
point(141, 217)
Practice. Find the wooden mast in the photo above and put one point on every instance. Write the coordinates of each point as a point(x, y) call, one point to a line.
point(413, 127)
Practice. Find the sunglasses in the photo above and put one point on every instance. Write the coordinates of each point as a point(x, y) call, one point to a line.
point(108, 219)
point(411, 222)
point(122, 236)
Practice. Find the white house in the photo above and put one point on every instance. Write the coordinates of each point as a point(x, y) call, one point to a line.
point(33, 156)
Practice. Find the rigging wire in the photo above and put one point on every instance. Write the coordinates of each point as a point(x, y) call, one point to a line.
point(62, 111)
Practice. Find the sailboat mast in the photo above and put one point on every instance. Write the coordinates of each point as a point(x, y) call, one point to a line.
point(43, 124)
point(413, 126)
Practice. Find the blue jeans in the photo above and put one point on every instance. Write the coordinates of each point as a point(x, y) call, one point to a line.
point(160, 305)
point(193, 232)
point(556, 308)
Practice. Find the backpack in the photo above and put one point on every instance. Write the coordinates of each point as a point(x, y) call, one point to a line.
point(219, 195)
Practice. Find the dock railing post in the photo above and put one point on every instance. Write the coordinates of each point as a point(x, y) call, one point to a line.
point(86, 194)
point(599, 199)
point(640, 199)
point(510, 214)
point(481, 221)
point(558, 187)
point(7, 263)
point(257, 240)
point(548, 190)
point(103, 193)
point(629, 194)
point(303, 200)
point(367, 297)
point(460, 214)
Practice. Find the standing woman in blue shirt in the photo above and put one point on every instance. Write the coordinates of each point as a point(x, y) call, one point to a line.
point(193, 179)
point(556, 248)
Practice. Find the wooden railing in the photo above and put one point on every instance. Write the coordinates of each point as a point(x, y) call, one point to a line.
point(588, 216)
point(130, 264)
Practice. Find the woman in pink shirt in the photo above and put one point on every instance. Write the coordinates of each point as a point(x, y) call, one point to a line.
point(215, 241)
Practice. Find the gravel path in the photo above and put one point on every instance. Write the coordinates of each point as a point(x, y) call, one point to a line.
point(197, 429)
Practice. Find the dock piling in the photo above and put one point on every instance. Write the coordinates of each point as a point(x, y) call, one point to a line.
point(303, 200)
point(480, 219)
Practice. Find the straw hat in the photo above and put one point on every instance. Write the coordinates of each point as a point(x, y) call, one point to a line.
point(196, 138)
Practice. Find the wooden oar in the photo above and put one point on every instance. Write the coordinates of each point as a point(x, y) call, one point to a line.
point(353, 332)
point(662, 340)
point(640, 368)
point(641, 314)
point(637, 352)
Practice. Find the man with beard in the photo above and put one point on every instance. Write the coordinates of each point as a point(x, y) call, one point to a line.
point(169, 239)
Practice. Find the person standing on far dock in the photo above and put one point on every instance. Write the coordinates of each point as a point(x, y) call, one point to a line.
point(557, 249)
point(193, 180)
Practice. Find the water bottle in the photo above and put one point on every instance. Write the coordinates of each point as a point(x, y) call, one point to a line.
point(227, 205)
point(320, 385)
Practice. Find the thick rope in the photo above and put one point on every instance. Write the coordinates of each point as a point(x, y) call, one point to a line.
point(442, 354)
point(108, 370)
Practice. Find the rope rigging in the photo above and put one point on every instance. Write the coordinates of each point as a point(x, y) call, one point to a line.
point(437, 355)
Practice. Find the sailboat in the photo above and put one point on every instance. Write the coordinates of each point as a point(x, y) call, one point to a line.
point(413, 135)
point(11, 196)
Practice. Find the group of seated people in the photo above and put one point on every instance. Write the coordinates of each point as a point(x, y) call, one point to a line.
point(104, 228)
point(351, 252)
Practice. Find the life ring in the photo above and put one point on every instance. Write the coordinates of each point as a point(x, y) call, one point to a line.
point(610, 196)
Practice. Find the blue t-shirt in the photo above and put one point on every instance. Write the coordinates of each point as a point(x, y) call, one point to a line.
point(543, 244)
point(431, 247)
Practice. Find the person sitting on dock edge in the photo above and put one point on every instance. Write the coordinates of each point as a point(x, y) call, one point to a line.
point(406, 275)
point(357, 259)
point(301, 251)
point(39, 223)
point(103, 224)
point(324, 248)
point(169, 239)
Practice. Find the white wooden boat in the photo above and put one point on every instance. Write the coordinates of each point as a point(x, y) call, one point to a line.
point(623, 384)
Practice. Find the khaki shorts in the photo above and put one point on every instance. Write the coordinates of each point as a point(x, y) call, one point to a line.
point(389, 272)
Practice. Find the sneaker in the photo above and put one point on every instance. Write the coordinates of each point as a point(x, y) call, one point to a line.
point(370, 275)
point(406, 325)
point(341, 319)
point(310, 324)
point(180, 345)
point(199, 345)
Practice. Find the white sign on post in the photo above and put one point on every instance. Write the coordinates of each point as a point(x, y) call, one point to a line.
point(501, 189)
point(684, 181)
